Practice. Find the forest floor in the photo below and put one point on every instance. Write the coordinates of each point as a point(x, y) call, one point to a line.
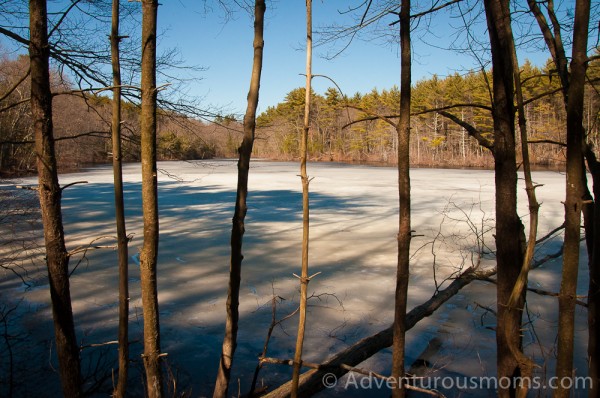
point(352, 247)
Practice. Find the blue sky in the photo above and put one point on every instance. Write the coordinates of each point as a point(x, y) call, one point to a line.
point(205, 38)
point(225, 49)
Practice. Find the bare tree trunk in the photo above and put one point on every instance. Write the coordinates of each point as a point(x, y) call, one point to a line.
point(305, 206)
point(57, 257)
point(122, 240)
point(509, 230)
point(518, 292)
point(238, 229)
point(553, 40)
point(591, 214)
point(573, 200)
point(149, 252)
point(404, 232)
point(592, 230)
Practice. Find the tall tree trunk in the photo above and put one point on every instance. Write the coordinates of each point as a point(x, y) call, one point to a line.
point(149, 252)
point(404, 232)
point(591, 214)
point(573, 200)
point(509, 230)
point(238, 229)
point(553, 40)
point(305, 206)
point(593, 228)
point(57, 257)
point(122, 240)
point(518, 291)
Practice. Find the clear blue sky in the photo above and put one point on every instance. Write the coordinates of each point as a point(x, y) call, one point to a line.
point(225, 49)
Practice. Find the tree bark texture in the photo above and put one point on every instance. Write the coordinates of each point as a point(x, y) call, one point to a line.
point(57, 257)
point(305, 206)
point(238, 228)
point(404, 231)
point(573, 200)
point(122, 241)
point(149, 252)
point(509, 230)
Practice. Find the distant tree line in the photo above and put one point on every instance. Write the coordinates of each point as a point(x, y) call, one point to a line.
point(83, 124)
point(436, 140)
point(82, 128)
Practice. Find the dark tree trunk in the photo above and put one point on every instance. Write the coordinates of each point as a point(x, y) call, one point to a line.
point(573, 200)
point(57, 258)
point(122, 240)
point(149, 252)
point(404, 232)
point(305, 206)
point(592, 229)
point(509, 230)
point(591, 215)
point(238, 229)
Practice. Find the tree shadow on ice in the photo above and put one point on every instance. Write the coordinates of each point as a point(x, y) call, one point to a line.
point(193, 270)
point(352, 244)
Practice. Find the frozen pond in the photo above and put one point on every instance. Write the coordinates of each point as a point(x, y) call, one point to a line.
point(353, 245)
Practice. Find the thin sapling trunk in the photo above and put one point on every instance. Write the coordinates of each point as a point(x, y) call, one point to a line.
point(238, 227)
point(304, 279)
point(404, 231)
point(122, 240)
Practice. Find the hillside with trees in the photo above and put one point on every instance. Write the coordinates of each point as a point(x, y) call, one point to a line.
point(436, 140)
point(83, 124)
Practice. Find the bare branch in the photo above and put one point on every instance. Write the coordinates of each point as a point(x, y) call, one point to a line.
point(559, 143)
point(73, 183)
point(14, 87)
point(444, 108)
point(14, 36)
point(434, 9)
point(374, 116)
point(472, 131)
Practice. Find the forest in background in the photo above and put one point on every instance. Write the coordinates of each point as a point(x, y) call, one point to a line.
point(436, 140)
point(82, 124)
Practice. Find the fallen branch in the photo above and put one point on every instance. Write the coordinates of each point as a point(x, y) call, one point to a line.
point(73, 183)
point(81, 348)
point(553, 294)
point(347, 368)
point(274, 323)
point(311, 382)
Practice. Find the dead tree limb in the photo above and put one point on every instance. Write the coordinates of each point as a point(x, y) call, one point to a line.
point(347, 368)
point(311, 382)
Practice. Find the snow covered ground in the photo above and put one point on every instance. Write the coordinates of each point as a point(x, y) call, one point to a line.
point(352, 244)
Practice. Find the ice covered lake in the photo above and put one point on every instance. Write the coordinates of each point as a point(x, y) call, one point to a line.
point(352, 244)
